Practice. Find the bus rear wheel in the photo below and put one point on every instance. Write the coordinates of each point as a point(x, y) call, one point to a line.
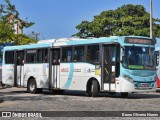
point(32, 86)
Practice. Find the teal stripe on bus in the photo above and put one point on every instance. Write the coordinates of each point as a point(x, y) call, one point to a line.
point(70, 77)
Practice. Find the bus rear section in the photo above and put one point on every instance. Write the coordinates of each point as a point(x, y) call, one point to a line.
point(26, 66)
point(2, 45)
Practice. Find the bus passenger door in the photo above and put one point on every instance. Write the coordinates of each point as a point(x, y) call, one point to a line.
point(54, 68)
point(108, 67)
point(19, 68)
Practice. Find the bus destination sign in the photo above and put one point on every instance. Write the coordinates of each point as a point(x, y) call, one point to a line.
point(139, 41)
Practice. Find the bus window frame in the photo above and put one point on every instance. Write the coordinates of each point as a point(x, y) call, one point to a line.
point(5, 56)
point(85, 53)
point(61, 54)
point(29, 53)
point(25, 56)
point(99, 57)
point(84, 47)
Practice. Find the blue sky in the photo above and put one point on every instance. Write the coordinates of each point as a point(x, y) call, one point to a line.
point(58, 18)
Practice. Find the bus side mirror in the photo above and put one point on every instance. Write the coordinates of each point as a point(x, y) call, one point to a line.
point(123, 54)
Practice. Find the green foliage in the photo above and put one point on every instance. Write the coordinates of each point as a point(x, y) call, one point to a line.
point(6, 27)
point(126, 20)
point(6, 33)
point(22, 39)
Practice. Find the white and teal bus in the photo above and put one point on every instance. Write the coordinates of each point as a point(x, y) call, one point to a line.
point(124, 64)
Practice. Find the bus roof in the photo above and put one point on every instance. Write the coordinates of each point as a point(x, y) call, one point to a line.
point(77, 41)
point(112, 39)
point(73, 41)
point(30, 46)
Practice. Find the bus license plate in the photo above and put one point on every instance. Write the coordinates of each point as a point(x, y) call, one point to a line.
point(144, 85)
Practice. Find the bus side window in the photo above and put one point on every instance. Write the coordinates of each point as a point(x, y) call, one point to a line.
point(78, 54)
point(45, 55)
point(9, 57)
point(92, 53)
point(67, 54)
point(31, 56)
point(39, 55)
point(42, 55)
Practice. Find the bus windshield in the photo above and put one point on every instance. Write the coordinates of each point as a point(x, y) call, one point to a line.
point(139, 58)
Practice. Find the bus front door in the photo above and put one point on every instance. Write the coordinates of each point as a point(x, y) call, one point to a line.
point(108, 67)
point(19, 68)
point(54, 68)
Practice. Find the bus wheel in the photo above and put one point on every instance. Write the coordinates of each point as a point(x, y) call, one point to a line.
point(124, 94)
point(94, 88)
point(32, 86)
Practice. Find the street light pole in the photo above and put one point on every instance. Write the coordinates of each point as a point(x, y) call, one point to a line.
point(36, 34)
point(151, 34)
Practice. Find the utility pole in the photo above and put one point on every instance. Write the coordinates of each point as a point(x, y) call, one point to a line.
point(36, 34)
point(151, 34)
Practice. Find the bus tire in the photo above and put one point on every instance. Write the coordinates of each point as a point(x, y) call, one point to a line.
point(124, 94)
point(94, 88)
point(32, 86)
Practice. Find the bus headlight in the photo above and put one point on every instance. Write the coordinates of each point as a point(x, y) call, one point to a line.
point(128, 78)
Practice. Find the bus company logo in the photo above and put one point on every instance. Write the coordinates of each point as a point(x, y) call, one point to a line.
point(6, 114)
point(64, 70)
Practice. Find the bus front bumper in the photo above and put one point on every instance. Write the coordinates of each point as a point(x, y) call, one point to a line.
point(123, 85)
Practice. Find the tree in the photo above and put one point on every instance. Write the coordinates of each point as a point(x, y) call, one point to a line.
point(6, 33)
point(126, 20)
point(6, 26)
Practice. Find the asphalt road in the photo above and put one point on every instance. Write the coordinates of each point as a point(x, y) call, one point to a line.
point(17, 99)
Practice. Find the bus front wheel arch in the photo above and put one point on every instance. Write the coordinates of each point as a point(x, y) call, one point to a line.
point(93, 87)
